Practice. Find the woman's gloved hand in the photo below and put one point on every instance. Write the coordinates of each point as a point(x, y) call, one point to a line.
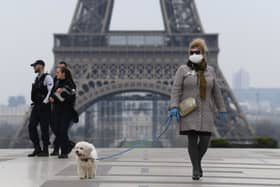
point(223, 116)
point(174, 112)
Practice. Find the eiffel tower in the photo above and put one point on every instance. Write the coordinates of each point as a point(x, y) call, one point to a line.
point(106, 62)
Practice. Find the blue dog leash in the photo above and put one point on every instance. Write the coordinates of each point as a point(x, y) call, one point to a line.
point(167, 124)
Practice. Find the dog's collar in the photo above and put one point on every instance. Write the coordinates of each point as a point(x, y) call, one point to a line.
point(86, 159)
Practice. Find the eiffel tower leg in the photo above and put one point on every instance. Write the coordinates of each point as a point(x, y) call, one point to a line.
point(21, 139)
point(238, 126)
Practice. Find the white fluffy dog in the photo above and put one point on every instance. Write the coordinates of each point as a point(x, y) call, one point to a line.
point(86, 157)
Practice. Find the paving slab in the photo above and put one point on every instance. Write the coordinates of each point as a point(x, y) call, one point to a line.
point(145, 168)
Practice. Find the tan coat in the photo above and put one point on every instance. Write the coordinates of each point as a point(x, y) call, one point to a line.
point(185, 85)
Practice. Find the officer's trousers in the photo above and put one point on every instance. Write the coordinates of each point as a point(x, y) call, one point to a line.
point(40, 114)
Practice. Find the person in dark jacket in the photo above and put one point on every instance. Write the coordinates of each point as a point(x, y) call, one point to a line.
point(71, 144)
point(40, 113)
point(63, 99)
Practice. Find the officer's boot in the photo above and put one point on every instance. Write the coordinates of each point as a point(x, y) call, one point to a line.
point(45, 152)
point(37, 150)
point(70, 146)
point(55, 151)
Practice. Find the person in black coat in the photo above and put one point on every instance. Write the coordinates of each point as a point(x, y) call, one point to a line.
point(63, 99)
point(41, 110)
point(71, 144)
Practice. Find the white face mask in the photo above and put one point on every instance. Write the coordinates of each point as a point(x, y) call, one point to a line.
point(195, 58)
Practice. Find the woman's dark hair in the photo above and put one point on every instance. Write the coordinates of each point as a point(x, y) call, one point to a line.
point(67, 73)
point(64, 63)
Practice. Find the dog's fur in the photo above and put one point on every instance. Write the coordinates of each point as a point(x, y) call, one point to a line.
point(86, 157)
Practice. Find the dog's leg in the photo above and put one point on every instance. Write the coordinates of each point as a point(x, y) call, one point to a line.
point(86, 173)
point(89, 172)
point(82, 173)
point(94, 170)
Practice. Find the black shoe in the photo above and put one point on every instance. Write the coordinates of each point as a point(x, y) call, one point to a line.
point(35, 153)
point(70, 146)
point(63, 156)
point(43, 154)
point(201, 173)
point(196, 175)
point(54, 153)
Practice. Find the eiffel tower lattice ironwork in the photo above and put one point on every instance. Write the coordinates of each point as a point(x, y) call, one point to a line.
point(105, 62)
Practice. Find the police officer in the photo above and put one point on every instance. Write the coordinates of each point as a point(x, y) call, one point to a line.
point(40, 114)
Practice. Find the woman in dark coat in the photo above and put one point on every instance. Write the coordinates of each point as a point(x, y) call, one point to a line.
point(71, 144)
point(198, 80)
point(63, 99)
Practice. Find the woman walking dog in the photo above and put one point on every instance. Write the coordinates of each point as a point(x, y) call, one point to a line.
point(194, 93)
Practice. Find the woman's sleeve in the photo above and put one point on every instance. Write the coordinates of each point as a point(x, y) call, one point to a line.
point(177, 88)
point(69, 95)
point(217, 95)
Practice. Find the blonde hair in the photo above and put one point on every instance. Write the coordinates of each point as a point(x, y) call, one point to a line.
point(199, 43)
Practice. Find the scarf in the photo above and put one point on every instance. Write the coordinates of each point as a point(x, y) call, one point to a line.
point(201, 80)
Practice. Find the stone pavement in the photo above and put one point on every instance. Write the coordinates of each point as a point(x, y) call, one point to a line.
point(146, 168)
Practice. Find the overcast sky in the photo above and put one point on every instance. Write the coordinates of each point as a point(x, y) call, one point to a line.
point(249, 35)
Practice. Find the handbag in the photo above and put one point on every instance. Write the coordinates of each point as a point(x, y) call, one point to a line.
point(75, 116)
point(187, 106)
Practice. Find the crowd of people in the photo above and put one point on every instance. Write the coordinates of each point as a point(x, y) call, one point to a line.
point(53, 101)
